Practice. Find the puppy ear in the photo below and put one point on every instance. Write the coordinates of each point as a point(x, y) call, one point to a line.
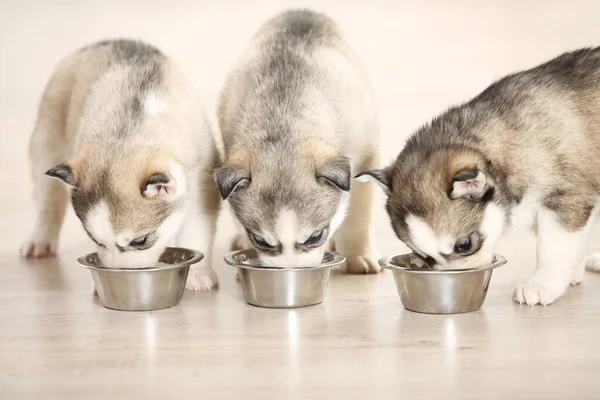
point(159, 186)
point(230, 179)
point(382, 177)
point(164, 179)
point(64, 172)
point(471, 184)
point(336, 173)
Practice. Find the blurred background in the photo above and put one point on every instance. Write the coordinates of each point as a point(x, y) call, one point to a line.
point(423, 56)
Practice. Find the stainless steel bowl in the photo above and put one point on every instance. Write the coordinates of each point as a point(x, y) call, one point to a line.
point(272, 287)
point(143, 289)
point(426, 290)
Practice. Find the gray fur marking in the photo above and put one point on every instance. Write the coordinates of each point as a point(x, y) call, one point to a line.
point(148, 76)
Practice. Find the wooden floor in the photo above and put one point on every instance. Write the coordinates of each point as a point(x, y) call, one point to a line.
point(58, 342)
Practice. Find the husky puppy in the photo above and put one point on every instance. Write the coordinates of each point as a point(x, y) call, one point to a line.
point(122, 129)
point(526, 151)
point(297, 117)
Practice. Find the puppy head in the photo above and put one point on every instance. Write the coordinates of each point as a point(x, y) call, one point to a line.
point(130, 207)
point(443, 206)
point(289, 201)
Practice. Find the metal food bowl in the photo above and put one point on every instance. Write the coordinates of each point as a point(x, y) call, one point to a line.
point(426, 290)
point(272, 287)
point(143, 289)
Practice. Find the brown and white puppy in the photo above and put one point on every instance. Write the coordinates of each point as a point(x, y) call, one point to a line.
point(526, 151)
point(297, 118)
point(119, 125)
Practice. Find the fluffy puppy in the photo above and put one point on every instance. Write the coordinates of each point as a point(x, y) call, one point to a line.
point(122, 129)
point(297, 119)
point(525, 152)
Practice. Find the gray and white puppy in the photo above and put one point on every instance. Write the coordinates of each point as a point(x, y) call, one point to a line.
point(297, 117)
point(121, 127)
point(526, 151)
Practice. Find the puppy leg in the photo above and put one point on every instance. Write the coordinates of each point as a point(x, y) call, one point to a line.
point(577, 274)
point(48, 147)
point(591, 262)
point(558, 253)
point(198, 232)
point(354, 239)
point(240, 240)
point(332, 246)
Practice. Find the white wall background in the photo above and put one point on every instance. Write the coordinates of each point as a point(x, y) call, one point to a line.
point(422, 56)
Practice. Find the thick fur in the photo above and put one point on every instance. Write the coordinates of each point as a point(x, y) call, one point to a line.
point(120, 126)
point(526, 151)
point(297, 118)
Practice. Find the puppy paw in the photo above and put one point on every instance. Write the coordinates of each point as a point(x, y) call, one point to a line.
point(592, 263)
point(202, 279)
point(532, 293)
point(576, 281)
point(240, 242)
point(577, 275)
point(38, 249)
point(365, 264)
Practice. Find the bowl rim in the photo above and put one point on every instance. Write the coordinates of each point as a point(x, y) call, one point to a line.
point(198, 256)
point(386, 262)
point(229, 259)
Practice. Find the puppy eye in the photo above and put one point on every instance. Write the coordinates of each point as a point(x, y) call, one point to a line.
point(463, 245)
point(314, 238)
point(259, 241)
point(137, 242)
